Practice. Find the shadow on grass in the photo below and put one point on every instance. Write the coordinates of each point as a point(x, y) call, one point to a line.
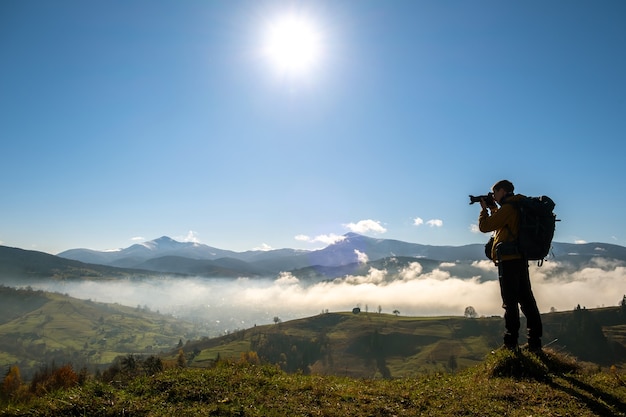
point(598, 401)
point(560, 372)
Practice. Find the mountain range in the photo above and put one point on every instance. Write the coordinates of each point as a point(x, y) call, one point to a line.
point(344, 252)
point(354, 254)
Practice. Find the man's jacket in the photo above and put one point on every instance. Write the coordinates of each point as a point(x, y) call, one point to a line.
point(504, 221)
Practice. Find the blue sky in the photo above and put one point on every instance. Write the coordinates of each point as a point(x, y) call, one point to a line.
point(125, 121)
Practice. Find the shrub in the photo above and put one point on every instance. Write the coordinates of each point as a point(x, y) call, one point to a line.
point(49, 379)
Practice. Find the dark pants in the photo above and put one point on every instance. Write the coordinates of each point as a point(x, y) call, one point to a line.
point(515, 290)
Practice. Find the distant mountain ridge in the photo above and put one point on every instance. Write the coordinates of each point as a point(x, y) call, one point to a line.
point(345, 252)
point(168, 256)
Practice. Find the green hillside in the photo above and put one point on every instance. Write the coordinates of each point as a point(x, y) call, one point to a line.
point(382, 345)
point(19, 265)
point(37, 327)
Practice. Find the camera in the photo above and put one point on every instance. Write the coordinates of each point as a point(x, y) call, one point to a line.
point(488, 199)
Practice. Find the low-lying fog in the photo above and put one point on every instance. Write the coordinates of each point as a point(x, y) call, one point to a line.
point(219, 305)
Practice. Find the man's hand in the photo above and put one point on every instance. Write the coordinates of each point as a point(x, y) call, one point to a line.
point(483, 203)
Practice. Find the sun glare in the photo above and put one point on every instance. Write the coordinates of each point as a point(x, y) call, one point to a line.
point(292, 45)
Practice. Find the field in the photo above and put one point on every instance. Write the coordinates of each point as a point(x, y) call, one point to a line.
point(503, 384)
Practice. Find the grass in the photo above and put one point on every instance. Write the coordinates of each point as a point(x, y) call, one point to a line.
point(231, 351)
point(57, 327)
point(504, 384)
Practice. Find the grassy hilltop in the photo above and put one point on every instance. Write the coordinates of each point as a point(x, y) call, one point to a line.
point(503, 384)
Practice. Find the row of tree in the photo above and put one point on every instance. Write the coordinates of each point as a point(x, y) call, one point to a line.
point(51, 378)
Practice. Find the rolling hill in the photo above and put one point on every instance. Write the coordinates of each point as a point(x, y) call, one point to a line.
point(39, 327)
point(17, 265)
point(383, 345)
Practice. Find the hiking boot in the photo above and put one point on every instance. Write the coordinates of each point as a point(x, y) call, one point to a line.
point(533, 346)
point(512, 348)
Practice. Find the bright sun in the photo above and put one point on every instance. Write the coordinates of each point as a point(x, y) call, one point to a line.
point(292, 45)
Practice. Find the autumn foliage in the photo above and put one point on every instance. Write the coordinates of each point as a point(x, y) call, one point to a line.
point(47, 379)
point(53, 378)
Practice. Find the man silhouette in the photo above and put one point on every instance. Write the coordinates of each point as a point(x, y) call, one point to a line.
point(512, 267)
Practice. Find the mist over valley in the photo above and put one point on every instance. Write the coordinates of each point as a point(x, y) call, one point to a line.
point(222, 291)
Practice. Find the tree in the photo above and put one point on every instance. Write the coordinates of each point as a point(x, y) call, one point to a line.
point(12, 382)
point(65, 377)
point(152, 365)
point(452, 363)
point(396, 312)
point(276, 320)
point(181, 361)
point(380, 309)
point(250, 357)
point(130, 364)
point(52, 378)
point(470, 312)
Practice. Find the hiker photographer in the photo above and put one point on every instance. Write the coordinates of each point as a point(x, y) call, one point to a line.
point(502, 219)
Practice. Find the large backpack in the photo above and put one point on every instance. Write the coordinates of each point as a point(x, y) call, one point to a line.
point(536, 227)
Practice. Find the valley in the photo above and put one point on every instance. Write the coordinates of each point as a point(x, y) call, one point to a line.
point(55, 309)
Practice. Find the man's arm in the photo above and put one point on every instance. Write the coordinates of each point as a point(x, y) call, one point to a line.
point(497, 220)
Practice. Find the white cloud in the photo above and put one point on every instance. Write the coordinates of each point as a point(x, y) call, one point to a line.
point(593, 286)
point(474, 228)
point(580, 241)
point(412, 271)
point(418, 221)
point(137, 239)
point(484, 265)
point(190, 237)
point(373, 277)
point(264, 247)
point(286, 278)
point(328, 239)
point(435, 223)
point(364, 226)
point(325, 239)
point(361, 256)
